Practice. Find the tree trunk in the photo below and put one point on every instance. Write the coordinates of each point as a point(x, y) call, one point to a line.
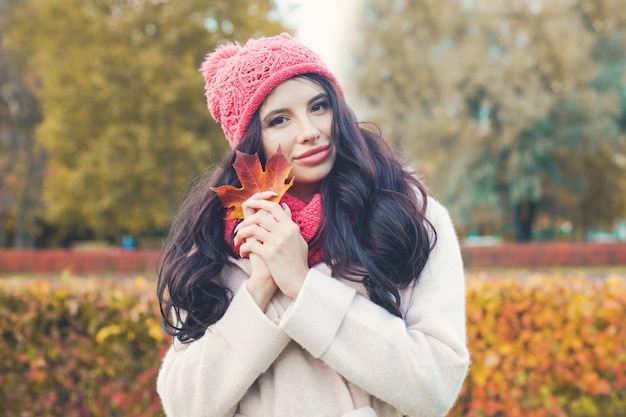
point(524, 218)
point(30, 201)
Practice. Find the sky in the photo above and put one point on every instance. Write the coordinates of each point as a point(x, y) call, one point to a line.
point(324, 26)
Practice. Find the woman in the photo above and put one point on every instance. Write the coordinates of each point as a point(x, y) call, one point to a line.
point(346, 298)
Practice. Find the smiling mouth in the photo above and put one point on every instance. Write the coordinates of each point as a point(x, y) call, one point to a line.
point(313, 151)
point(313, 156)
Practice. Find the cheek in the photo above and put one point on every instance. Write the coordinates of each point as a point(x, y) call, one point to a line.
point(270, 144)
point(326, 123)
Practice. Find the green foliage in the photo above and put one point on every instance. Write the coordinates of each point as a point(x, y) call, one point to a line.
point(21, 157)
point(504, 105)
point(125, 123)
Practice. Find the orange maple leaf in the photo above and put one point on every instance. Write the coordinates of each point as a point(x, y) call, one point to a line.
point(253, 180)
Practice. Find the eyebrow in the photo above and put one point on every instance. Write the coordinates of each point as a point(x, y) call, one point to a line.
point(283, 110)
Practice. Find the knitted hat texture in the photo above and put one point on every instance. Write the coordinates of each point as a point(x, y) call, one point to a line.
point(238, 78)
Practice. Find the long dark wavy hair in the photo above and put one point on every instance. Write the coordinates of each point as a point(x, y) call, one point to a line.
point(374, 227)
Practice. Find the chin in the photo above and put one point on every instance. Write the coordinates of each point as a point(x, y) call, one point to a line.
point(311, 180)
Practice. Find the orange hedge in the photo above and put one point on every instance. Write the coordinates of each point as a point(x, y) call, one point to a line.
point(545, 345)
point(537, 254)
point(79, 347)
point(542, 345)
point(78, 261)
point(545, 254)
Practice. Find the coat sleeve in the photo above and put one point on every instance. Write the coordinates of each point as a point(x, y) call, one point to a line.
point(416, 364)
point(208, 377)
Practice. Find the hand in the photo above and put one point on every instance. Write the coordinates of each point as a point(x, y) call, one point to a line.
point(260, 284)
point(271, 234)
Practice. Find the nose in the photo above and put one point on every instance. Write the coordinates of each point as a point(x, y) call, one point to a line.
point(307, 131)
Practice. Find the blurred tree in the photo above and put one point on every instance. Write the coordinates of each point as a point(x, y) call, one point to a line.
point(511, 109)
point(125, 123)
point(610, 22)
point(21, 158)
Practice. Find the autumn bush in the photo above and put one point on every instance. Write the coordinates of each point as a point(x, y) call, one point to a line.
point(545, 254)
point(77, 347)
point(78, 261)
point(543, 344)
point(504, 255)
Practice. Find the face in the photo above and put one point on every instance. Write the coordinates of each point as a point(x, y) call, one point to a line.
point(297, 116)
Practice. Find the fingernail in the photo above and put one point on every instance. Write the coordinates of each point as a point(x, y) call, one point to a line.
point(286, 208)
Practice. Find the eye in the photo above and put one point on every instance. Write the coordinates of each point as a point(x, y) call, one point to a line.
point(320, 106)
point(277, 121)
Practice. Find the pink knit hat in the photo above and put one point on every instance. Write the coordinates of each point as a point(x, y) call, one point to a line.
point(238, 78)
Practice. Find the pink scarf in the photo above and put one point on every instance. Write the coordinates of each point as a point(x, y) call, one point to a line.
point(306, 215)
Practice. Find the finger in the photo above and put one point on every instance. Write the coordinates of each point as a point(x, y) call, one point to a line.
point(260, 196)
point(287, 210)
point(277, 210)
point(253, 231)
point(263, 195)
point(250, 246)
point(259, 217)
point(267, 228)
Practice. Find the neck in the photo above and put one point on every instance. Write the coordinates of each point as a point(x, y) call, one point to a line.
point(304, 193)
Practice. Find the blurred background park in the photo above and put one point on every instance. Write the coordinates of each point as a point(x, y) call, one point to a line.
point(512, 111)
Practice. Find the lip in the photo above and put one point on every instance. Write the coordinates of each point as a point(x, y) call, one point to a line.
point(313, 156)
